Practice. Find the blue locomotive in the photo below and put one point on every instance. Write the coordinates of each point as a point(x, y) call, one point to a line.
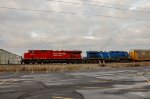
point(111, 56)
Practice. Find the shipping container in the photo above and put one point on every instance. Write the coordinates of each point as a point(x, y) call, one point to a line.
point(140, 55)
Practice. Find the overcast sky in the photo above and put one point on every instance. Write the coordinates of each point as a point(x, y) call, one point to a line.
point(21, 30)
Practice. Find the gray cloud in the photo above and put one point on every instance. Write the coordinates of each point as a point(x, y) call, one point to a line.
point(23, 30)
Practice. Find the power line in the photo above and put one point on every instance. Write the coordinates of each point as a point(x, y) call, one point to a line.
point(71, 13)
point(118, 8)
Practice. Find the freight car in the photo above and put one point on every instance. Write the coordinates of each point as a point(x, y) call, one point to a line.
point(111, 56)
point(50, 56)
point(140, 55)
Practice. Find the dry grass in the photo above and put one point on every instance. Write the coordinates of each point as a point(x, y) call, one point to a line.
point(66, 67)
point(132, 64)
point(61, 67)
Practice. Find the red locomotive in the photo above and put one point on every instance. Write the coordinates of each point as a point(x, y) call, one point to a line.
point(50, 56)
